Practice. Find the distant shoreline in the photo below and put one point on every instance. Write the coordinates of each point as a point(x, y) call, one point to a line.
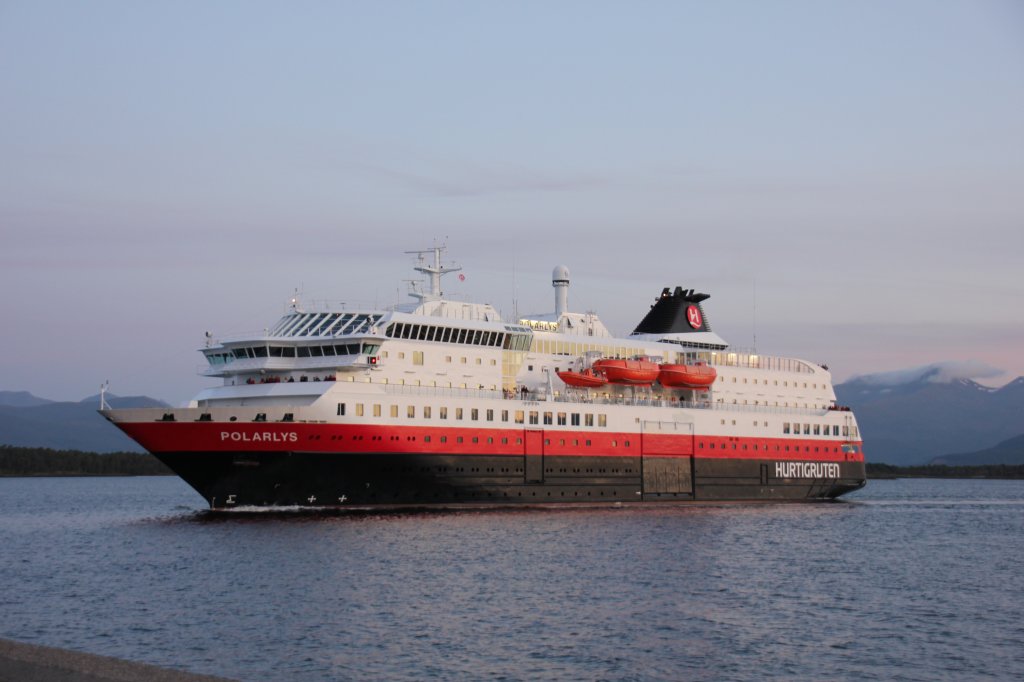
point(18, 461)
point(993, 471)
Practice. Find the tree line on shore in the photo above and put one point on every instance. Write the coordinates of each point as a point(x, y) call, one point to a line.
point(23, 461)
point(878, 470)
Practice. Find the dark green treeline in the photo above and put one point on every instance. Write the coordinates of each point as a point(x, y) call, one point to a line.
point(19, 461)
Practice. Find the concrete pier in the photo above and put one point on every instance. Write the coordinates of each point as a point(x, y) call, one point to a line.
point(33, 663)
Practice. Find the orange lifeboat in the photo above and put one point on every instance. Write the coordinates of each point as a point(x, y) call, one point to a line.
point(634, 372)
point(588, 378)
point(698, 376)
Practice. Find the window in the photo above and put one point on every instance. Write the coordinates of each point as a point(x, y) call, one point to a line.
point(393, 411)
point(588, 419)
point(519, 416)
point(490, 415)
point(807, 429)
point(410, 411)
point(534, 416)
point(817, 429)
point(458, 439)
point(602, 420)
point(444, 439)
point(561, 419)
point(575, 419)
point(458, 413)
point(376, 410)
point(359, 409)
point(442, 412)
point(474, 414)
point(548, 418)
point(426, 411)
point(504, 415)
point(448, 358)
point(426, 439)
point(341, 409)
point(417, 357)
point(785, 427)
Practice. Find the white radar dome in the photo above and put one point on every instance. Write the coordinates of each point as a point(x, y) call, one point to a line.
point(560, 274)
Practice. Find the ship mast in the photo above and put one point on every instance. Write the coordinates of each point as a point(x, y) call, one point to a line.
point(435, 271)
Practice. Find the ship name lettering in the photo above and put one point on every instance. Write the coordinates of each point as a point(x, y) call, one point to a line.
point(806, 470)
point(259, 437)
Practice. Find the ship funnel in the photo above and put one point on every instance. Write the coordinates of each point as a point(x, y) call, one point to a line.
point(560, 281)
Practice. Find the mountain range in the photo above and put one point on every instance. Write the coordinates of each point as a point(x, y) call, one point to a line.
point(914, 418)
point(917, 416)
point(1010, 451)
point(28, 420)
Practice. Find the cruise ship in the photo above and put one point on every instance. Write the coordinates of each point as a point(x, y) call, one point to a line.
point(441, 402)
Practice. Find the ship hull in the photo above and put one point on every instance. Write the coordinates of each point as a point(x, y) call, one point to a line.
point(242, 479)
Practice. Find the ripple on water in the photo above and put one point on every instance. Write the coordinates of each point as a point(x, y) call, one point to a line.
point(907, 580)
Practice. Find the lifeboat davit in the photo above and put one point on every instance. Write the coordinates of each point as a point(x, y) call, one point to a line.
point(633, 372)
point(699, 375)
point(588, 378)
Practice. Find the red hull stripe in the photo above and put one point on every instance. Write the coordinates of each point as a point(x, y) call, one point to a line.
point(355, 438)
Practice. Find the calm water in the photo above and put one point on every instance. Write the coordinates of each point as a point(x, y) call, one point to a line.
point(912, 580)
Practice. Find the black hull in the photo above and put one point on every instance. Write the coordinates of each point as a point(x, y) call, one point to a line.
point(229, 480)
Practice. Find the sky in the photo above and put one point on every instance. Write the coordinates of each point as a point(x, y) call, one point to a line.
point(846, 179)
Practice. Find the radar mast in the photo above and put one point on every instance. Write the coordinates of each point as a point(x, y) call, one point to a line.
point(435, 271)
